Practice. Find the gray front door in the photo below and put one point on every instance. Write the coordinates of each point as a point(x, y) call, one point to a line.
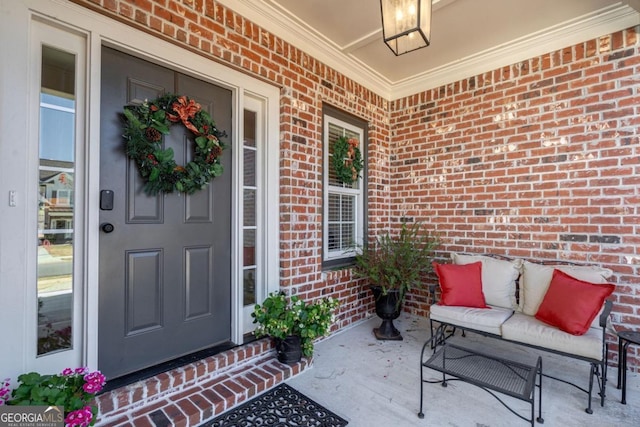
point(165, 269)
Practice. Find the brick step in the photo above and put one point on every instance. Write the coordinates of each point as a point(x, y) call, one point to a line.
point(197, 392)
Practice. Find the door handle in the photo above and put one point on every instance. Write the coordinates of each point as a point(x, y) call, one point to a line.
point(107, 227)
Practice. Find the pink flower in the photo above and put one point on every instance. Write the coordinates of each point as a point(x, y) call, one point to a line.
point(67, 371)
point(81, 371)
point(94, 382)
point(5, 391)
point(91, 388)
point(81, 417)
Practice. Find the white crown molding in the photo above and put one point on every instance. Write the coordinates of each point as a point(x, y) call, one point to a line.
point(266, 15)
point(307, 39)
point(566, 34)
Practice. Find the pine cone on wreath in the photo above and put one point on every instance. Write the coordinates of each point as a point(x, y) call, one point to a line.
point(152, 134)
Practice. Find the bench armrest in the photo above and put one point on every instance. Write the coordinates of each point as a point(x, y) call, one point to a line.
point(608, 304)
point(433, 287)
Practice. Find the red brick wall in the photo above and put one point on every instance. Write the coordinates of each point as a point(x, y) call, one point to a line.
point(535, 160)
point(540, 159)
point(210, 29)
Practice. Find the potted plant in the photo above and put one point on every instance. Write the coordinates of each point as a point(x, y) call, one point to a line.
point(394, 264)
point(293, 323)
point(73, 389)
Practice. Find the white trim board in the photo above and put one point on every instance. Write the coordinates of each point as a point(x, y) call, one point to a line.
point(619, 16)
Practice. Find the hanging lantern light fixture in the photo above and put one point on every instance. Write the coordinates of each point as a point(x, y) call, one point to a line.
point(406, 24)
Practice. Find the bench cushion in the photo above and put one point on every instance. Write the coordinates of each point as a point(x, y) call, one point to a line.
point(529, 330)
point(536, 278)
point(481, 319)
point(498, 278)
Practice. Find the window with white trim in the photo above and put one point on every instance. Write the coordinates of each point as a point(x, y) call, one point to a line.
point(343, 204)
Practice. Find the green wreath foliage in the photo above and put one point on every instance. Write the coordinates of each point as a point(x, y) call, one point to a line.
point(347, 159)
point(147, 123)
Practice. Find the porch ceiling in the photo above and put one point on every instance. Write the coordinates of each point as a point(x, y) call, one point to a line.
point(468, 36)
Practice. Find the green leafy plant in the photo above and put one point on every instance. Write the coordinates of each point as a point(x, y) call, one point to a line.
point(279, 317)
point(397, 261)
point(72, 389)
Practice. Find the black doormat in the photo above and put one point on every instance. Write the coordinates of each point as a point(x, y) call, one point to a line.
point(281, 406)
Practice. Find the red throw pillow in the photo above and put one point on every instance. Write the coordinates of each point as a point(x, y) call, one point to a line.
point(461, 284)
point(571, 304)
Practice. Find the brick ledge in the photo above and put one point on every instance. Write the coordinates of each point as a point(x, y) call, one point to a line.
point(197, 392)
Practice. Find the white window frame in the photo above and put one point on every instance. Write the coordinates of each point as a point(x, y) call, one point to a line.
point(266, 195)
point(358, 193)
point(43, 33)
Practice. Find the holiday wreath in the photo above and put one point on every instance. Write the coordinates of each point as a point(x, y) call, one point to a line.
point(145, 125)
point(347, 160)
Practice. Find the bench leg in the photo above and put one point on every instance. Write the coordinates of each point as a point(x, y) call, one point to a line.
point(593, 373)
point(539, 419)
point(603, 383)
point(421, 413)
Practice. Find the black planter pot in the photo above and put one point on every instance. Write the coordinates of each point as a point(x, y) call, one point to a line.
point(388, 308)
point(289, 349)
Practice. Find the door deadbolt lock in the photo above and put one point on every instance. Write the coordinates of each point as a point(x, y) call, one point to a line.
point(107, 227)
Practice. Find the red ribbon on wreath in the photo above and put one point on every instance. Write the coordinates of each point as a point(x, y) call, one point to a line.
point(186, 110)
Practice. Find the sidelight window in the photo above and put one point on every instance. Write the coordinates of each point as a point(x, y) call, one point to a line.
point(56, 177)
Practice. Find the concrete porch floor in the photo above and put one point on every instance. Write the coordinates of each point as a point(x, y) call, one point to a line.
point(377, 383)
